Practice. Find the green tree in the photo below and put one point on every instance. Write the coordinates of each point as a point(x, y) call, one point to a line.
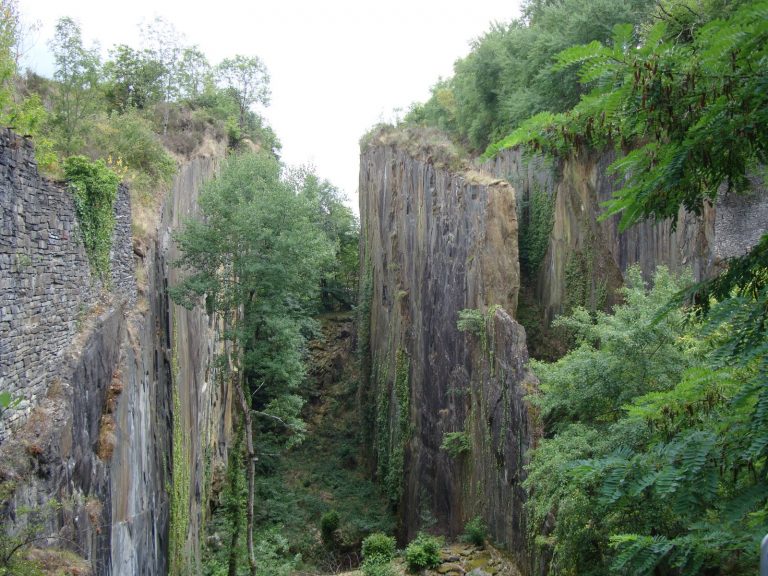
point(338, 284)
point(248, 79)
point(655, 457)
point(510, 73)
point(165, 45)
point(256, 258)
point(9, 23)
point(77, 74)
point(194, 71)
point(690, 108)
point(133, 79)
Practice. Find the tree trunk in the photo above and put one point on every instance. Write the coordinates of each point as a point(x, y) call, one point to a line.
point(251, 467)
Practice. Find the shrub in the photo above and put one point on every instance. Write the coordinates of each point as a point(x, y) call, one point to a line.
point(471, 320)
point(329, 523)
point(377, 566)
point(423, 552)
point(130, 137)
point(456, 443)
point(379, 545)
point(475, 531)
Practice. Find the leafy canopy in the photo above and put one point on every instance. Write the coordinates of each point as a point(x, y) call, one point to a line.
point(657, 439)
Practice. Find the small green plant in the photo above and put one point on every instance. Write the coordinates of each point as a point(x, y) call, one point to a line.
point(377, 566)
point(423, 552)
point(456, 443)
point(475, 531)
point(8, 402)
point(379, 545)
point(329, 523)
point(23, 261)
point(471, 320)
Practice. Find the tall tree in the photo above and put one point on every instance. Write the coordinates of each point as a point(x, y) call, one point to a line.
point(256, 258)
point(194, 71)
point(340, 226)
point(248, 79)
point(165, 44)
point(133, 79)
point(77, 72)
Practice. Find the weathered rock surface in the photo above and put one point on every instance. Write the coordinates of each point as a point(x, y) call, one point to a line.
point(95, 370)
point(585, 259)
point(435, 242)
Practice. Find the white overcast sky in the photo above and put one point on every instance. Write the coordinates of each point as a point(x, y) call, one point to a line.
point(337, 68)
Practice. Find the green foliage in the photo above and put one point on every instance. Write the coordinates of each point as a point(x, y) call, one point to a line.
point(8, 402)
point(380, 546)
point(656, 449)
point(456, 443)
point(130, 138)
point(510, 74)
point(181, 479)
point(94, 188)
point(423, 552)
point(471, 320)
point(76, 98)
point(690, 106)
point(338, 285)
point(258, 248)
point(480, 324)
point(133, 79)
point(376, 565)
point(9, 37)
point(392, 423)
point(21, 528)
point(329, 523)
point(475, 531)
point(247, 78)
point(535, 228)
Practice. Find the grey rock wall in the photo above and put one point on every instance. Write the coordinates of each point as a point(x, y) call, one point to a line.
point(46, 288)
point(577, 186)
point(94, 365)
point(435, 242)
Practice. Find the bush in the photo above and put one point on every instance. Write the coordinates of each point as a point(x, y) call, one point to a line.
point(329, 523)
point(456, 443)
point(130, 138)
point(377, 565)
point(423, 552)
point(379, 545)
point(475, 531)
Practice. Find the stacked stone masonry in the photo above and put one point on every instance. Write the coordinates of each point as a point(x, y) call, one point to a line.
point(46, 286)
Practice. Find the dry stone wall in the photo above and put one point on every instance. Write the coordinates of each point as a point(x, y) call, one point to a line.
point(99, 368)
point(46, 287)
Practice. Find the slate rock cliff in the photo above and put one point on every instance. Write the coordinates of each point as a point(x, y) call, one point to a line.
point(98, 371)
point(436, 241)
point(582, 259)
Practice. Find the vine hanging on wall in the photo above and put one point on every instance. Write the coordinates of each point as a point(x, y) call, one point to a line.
point(94, 189)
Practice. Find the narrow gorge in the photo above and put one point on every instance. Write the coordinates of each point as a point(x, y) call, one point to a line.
point(538, 345)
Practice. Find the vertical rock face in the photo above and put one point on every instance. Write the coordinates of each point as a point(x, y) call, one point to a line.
point(169, 384)
point(583, 259)
point(98, 372)
point(435, 242)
